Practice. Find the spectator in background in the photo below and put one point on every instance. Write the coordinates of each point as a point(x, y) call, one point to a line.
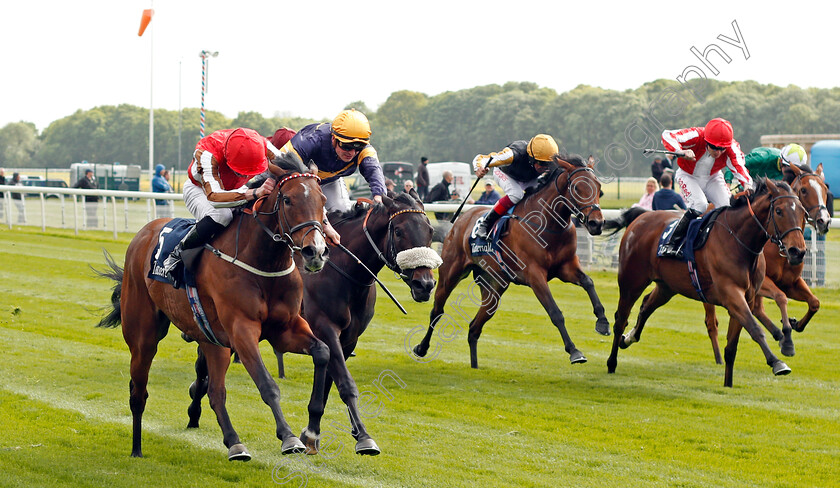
point(88, 182)
point(659, 165)
point(2, 194)
point(408, 185)
point(389, 185)
point(423, 178)
point(646, 201)
point(163, 208)
point(490, 195)
point(18, 199)
point(666, 198)
point(440, 192)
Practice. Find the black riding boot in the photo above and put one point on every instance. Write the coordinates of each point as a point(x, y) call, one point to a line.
point(485, 224)
point(682, 226)
point(203, 230)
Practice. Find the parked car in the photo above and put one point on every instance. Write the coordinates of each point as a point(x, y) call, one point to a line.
point(38, 181)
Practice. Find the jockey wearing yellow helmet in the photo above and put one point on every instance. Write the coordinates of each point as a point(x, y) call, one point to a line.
point(516, 168)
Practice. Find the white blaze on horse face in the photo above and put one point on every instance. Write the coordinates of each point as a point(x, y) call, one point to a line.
point(818, 189)
point(305, 190)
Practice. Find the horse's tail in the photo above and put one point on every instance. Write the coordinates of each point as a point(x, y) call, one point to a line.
point(113, 318)
point(623, 220)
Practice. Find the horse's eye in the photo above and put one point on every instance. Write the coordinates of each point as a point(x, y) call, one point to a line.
point(778, 211)
point(398, 232)
point(287, 200)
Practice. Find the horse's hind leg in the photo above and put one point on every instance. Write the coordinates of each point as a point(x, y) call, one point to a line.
point(655, 299)
point(573, 273)
point(197, 390)
point(218, 361)
point(712, 329)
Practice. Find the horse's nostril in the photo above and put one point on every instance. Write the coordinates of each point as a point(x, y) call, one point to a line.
point(307, 252)
point(326, 251)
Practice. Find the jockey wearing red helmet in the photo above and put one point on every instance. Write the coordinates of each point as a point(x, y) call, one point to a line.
point(705, 152)
point(222, 164)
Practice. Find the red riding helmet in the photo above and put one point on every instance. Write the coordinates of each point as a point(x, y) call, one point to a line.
point(245, 152)
point(719, 133)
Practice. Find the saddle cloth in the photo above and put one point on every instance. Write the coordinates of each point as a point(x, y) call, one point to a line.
point(695, 237)
point(170, 235)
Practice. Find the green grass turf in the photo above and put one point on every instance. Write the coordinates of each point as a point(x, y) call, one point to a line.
point(525, 418)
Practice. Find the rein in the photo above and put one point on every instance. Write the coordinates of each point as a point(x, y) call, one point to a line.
point(390, 259)
point(577, 211)
point(775, 238)
point(283, 236)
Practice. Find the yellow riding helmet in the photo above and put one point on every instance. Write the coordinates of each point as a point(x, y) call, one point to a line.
point(351, 126)
point(542, 147)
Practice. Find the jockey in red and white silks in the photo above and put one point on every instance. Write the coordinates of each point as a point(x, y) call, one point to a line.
point(705, 152)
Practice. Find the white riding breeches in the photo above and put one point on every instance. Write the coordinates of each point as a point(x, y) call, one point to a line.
point(196, 201)
point(338, 198)
point(515, 190)
point(699, 191)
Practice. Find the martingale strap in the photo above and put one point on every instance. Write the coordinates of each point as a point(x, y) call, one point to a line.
point(248, 267)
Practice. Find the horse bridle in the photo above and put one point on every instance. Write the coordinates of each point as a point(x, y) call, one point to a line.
point(775, 238)
point(808, 218)
point(583, 217)
point(390, 259)
point(285, 236)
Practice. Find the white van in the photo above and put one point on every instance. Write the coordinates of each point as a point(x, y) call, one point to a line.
point(462, 173)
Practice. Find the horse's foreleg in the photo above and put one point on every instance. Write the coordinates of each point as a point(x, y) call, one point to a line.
point(197, 390)
point(739, 310)
point(712, 329)
point(574, 274)
point(298, 338)
point(630, 286)
point(800, 292)
point(245, 344)
point(543, 294)
point(349, 393)
point(448, 280)
point(218, 361)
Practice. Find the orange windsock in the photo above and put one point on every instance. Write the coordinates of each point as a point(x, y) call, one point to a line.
point(144, 20)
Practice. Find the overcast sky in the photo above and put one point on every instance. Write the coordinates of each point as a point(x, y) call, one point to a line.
point(312, 57)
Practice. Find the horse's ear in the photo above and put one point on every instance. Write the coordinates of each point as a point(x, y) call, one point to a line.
point(416, 196)
point(819, 171)
point(277, 171)
point(387, 201)
point(591, 161)
point(565, 165)
point(313, 168)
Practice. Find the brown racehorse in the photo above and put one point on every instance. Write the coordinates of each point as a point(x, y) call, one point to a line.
point(729, 268)
point(339, 301)
point(243, 306)
point(539, 247)
point(783, 280)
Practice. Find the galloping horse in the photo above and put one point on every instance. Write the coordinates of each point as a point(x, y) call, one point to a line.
point(729, 268)
point(254, 297)
point(540, 247)
point(339, 301)
point(783, 280)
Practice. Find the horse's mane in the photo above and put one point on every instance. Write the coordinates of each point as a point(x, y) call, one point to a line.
point(788, 175)
point(290, 161)
point(359, 210)
point(761, 188)
point(555, 171)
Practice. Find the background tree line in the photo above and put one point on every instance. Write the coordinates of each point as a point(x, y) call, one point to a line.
point(454, 126)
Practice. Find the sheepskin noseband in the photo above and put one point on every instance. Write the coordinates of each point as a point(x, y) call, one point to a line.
point(418, 257)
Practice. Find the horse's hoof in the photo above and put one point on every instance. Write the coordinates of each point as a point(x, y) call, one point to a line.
point(420, 352)
point(577, 357)
point(237, 452)
point(292, 445)
point(622, 344)
point(602, 327)
point(780, 368)
point(311, 441)
point(367, 447)
point(787, 347)
point(794, 324)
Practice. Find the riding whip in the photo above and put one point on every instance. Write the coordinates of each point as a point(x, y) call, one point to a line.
point(467, 196)
point(661, 151)
point(382, 285)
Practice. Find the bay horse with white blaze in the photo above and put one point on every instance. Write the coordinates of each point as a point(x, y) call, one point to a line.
point(258, 299)
point(339, 301)
point(729, 269)
point(783, 280)
point(541, 247)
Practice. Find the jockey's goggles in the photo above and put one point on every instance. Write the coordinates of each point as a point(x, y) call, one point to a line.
point(352, 146)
